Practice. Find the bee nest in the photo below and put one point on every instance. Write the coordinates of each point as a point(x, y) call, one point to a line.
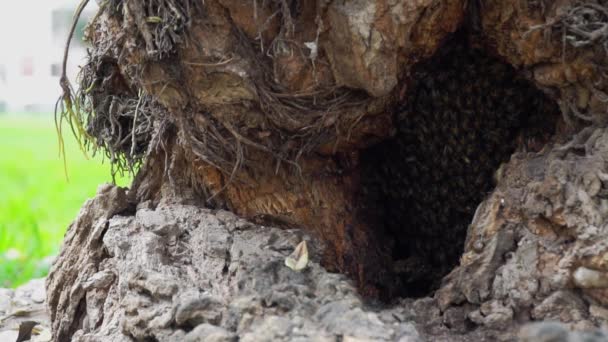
point(465, 114)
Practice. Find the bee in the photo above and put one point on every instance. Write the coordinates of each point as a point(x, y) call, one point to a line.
point(457, 125)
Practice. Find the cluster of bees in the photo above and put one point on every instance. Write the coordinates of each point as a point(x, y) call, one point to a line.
point(461, 120)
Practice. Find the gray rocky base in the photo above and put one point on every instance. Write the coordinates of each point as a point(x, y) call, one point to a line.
point(182, 273)
point(25, 303)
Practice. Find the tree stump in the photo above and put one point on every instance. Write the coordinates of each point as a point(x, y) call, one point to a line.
point(446, 157)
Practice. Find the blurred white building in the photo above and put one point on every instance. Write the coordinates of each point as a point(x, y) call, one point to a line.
point(32, 39)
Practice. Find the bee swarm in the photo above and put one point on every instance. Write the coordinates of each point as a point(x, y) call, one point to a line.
point(464, 115)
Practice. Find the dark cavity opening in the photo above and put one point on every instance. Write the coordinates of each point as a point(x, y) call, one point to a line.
point(465, 114)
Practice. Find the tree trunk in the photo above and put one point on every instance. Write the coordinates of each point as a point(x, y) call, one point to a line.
point(447, 157)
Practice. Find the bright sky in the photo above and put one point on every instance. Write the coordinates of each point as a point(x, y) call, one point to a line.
point(23, 22)
point(26, 33)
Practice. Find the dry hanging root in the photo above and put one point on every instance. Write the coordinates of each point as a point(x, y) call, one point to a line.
point(161, 23)
point(119, 120)
point(586, 25)
point(583, 25)
point(68, 106)
point(104, 115)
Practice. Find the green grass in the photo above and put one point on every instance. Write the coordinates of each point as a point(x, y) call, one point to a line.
point(37, 203)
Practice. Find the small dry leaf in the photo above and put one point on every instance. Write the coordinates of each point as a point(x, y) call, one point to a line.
point(298, 260)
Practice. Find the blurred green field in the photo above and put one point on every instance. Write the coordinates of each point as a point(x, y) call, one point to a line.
point(36, 202)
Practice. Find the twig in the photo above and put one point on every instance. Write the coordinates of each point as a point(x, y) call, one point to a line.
point(133, 128)
point(63, 81)
point(66, 96)
point(578, 114)
point(220, 63)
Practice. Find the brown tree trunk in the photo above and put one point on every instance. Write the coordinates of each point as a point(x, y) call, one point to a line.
point(451, 151)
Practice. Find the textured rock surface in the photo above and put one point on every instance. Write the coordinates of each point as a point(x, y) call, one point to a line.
point(537, 246)
point(23, 304)
point(82, 252)
point(178, 272)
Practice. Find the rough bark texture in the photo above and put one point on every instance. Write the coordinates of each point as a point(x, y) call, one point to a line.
point(536, 245)
point(268, 109)
point(178, 272)
point(269, 100)
point(556, 43)
point(181, 273)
